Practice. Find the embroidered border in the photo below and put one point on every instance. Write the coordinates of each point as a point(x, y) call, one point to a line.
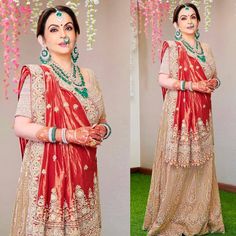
point(183, 149)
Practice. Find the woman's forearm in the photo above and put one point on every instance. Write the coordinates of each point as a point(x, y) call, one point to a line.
point(173, 84)
point(168, 83)
point(24, 128)
point(86, 135)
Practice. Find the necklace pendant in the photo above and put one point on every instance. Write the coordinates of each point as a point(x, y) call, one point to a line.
point(83, 92)
point(70, 79)
point(202, 58)
point(200, 55)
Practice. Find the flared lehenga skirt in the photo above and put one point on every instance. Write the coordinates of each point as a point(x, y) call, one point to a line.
point(181, 200)
point(82, 218)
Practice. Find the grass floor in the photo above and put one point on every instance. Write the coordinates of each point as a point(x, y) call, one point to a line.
point(139, 192)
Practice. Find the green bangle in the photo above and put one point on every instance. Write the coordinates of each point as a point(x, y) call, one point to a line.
point(182, 85)
point(54, 134)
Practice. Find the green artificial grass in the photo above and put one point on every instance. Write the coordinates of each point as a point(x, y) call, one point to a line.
point(139, 192)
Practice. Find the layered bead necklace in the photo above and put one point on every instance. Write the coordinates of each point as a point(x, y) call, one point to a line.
point(197, 51)
point(71, 78)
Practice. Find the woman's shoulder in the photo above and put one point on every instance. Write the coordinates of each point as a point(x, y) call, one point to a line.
point(32, 68)
point(87, 72)
point(169, 43)
point(167, 46)
point(205, 45)
point(89, 76)
point(28, 69)
point(31, 65)
point(206, 48)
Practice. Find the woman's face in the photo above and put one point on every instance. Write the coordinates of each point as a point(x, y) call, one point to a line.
point(187, 21)
point(55, 31)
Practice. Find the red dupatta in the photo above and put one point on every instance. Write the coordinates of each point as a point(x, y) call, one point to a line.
point(24, 73)
point(190, 106)
point(63, 167)
point(189, 133)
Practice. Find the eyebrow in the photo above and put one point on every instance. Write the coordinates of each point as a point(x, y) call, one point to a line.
point(194, 14)
point(58, 25)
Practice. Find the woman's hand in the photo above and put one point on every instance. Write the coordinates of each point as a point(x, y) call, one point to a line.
point(205, 86)
point(213, 83)
point(87, 136)
point(101, 129)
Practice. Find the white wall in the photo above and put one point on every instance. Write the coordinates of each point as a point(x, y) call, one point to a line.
point(134, 101)
point(110, 61)
point(222, 38)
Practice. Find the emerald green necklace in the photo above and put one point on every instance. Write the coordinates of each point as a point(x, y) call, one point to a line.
point(197, 51)
point(71, 79)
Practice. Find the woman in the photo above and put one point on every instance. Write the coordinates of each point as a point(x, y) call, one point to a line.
point(60, 120)
point(184, 197)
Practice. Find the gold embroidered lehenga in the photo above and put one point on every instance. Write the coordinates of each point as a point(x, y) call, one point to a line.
point(184, 196)
point(57, 193)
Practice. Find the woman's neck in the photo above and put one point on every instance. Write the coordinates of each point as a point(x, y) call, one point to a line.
point(190, 39)
point(64, 61)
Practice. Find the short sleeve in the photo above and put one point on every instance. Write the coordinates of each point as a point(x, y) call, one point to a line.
point(103, 115)
point(210, 61)
point(165, 64)
point(213, 62)
point(96, 86)
point(23, 106)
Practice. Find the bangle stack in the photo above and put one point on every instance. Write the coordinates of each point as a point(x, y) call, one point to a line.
point(182, 85)
point(52, 134)
point(191, 86)
point(108, 128)
point(63, 136)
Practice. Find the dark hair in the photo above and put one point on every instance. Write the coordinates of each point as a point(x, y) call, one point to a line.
point(48, 11)
point(181, 6)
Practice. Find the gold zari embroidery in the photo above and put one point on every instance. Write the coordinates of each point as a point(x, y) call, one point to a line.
point(186, 148)
point(81, 218)
point(31, 218)
point(189, 148)
point(183, 200)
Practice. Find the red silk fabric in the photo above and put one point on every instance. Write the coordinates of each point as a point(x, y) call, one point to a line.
point(189, 105)
point(63, 166)
point(24, 73)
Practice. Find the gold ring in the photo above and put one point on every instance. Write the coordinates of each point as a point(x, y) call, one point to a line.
point(93, 143)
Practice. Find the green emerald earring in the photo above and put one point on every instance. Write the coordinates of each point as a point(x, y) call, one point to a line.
point(178, 35)
point(197, 34)
point(45, 57)
point(75, 54)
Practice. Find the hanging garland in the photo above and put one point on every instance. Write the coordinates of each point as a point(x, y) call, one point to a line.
point(14, 16)
point(150, 14)
point(14, 20)
point(36, 6)
point(74, 5)
point(90, 22)
point(207, 13)
point(5, 25)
